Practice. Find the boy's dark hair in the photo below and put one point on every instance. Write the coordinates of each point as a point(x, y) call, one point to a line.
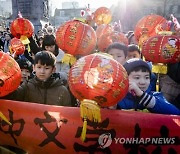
point(133, 47)
point(49, 40)
point(45, 58)
point(136, 64)
point(24, 63)
point(119, 46)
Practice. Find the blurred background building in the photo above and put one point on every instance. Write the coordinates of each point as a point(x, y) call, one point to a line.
point(40, 12)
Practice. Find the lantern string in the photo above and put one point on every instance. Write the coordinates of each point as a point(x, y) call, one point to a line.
point(19, 14)
point(176, 23)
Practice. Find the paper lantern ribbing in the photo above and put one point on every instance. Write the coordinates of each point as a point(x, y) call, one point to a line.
point(105, 40)
point(76, 38)
point(102, 16)
point(148, 26)
point(162, 49)
point(100, 78)
point(103, 29)
point(21, 26)
point(10, 74)
point(17, 46)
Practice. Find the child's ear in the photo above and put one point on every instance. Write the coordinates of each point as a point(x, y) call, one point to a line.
point(54, 70)
point(33, 68)
point(126, 58)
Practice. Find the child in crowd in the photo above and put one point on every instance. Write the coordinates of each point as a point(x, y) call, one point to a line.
point(131, 38)
point(133, 52)
point(7, 40)
point(118, 51)
point(43, 88)
point(139, 97)
point(49, 44)
point(26, 68)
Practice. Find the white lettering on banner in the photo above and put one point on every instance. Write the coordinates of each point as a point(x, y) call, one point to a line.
point(158, 141)
point(105, 140)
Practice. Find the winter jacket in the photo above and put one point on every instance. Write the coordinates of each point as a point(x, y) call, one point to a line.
point(153, 101)
point(51, 92)
point(62, 68)
point(174, 72)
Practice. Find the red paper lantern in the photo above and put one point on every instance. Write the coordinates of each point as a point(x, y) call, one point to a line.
point(97, 81)
point(162, 49)
point(100, 78)
point(102, 16)
point(103, 29)
point(150, 25)
point(105, 40)
point(10, 74)
point(21, 26)
point(76, 38)
point(17, 46)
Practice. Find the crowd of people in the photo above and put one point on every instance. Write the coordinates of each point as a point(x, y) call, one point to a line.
point(45, 76)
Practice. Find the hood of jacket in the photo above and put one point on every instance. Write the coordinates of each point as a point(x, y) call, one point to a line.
point(60, 56)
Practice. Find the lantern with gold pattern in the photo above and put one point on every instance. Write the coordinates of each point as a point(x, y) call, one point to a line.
point(16, 46)
point(102, 16)
point(162, 49)
point(103, 29)
point(148, 26)
point(105, 40)
point(21, 26)
point(97, 81)
point(10, 74)
point(76, 38)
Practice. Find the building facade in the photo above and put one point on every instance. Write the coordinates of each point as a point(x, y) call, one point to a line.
point(5, 8)
point(37, 11)
point(69, 11)
point(137, 9)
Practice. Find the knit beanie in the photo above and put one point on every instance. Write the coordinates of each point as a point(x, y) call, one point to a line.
point(133, 63)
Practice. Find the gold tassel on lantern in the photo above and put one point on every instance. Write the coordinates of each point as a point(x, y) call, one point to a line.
point(89, 110)
point(69, 59)
point(83, 134)
point(159, 69)
point(25, 41)
point(4, 118)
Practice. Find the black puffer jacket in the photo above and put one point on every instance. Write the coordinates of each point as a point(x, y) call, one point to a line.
point(174, 72)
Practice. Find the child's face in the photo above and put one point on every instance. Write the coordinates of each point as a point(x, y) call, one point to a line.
point(43, 72)
point(7, 37)
point(133, 40)
point(118, 55)
point(25, 74)
point(133, 54)
point(142, 79)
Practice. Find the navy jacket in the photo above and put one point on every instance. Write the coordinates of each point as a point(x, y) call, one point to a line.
point(153, 101)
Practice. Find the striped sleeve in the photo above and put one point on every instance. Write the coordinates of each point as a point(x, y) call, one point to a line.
point(147, 100)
